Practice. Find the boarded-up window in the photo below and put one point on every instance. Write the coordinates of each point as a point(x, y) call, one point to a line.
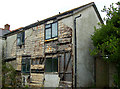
point(51, 65)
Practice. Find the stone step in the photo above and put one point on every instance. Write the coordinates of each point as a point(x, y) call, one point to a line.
point(36, 85)
point(38, 82)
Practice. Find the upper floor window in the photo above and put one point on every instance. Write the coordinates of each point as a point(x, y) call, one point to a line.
point(20, 38)
point(51, 30)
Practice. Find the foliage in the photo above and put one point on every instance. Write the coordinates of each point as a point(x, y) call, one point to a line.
point(116, 80)
point(9, 75)
point(106, 39)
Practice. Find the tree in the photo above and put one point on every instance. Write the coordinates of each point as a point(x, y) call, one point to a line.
point(106, 39)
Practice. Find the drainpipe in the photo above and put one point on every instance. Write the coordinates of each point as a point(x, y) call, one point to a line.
point(75, 45)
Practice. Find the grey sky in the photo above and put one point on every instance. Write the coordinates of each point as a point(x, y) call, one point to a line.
point(20, 13)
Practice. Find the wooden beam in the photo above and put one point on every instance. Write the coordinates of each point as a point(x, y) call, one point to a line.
point(66, 67)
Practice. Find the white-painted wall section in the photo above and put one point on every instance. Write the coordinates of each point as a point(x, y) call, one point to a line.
point(0, 62)
point(84, 28)
point(11, 46)
point(51, 80)
point(85, 63)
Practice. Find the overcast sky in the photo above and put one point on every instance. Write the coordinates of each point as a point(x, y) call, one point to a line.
point(20, 13)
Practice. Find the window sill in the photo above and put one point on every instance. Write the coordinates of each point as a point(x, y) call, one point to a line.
point(51, 72)
point(21, 46)
point(53, 39)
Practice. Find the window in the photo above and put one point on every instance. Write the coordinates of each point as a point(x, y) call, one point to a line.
point(48, 33)
point(25, 65)
point(20, 38)
point(35, 61)
point(54, 30)
point(51, 30)
point(51, 65)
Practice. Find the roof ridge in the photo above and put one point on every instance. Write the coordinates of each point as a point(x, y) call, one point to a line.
point(59, 15)
point(91, 3)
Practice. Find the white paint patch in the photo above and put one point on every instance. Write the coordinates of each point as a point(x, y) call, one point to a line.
point(51, 80)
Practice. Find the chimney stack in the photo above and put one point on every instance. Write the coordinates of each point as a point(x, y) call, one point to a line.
point(7, 27)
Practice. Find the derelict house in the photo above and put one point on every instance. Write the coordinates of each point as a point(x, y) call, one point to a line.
point(54, 52)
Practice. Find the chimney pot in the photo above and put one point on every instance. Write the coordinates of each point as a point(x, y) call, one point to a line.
point(7, 27)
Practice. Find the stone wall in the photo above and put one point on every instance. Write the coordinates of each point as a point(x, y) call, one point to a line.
point(37, 80)
point(56, 49)
point(18, 63)
point(63, 41)
point(34, 42)
point(36, 47)
point(10, 44)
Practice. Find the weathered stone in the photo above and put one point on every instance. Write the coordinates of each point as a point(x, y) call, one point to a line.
point(37, 47)
point(67, 47)
point(37, 66)
point(65, 40)
point(36, 80)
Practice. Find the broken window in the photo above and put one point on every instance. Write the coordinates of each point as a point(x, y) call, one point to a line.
point(25, 65)
point(51, 65)
point(20, 38)
point(51, 30)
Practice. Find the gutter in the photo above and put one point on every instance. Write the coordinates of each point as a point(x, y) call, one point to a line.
point(75, 45)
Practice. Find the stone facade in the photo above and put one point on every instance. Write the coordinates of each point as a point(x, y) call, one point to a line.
point(37, 47)
point(34, 42)
point(37, 50)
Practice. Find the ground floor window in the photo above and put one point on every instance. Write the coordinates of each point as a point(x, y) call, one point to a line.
point(51, 65)
point(36, 61)
point(25, 65)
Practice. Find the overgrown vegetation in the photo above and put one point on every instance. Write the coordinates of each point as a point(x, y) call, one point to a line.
point(9, 76)
point(106, 39)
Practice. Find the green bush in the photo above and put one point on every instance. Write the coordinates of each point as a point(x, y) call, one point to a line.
point(106, 39)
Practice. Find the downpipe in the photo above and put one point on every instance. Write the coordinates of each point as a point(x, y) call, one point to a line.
point(75, 45)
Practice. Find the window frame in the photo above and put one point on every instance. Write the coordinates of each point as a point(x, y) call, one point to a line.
point(50, 27)
point(21, 36)
point(25, 64)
